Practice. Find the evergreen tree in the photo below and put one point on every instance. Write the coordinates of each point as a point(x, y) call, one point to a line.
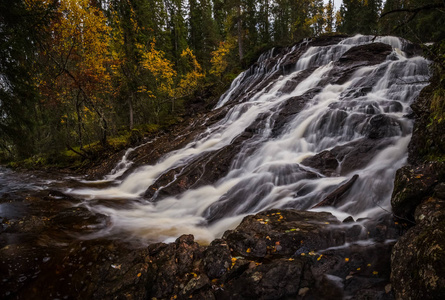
point(360, 16)
point(417, 20)
point(20, 34)
point(203, 30)
point(329, 16)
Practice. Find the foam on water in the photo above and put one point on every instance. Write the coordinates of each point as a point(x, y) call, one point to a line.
point(267, 172)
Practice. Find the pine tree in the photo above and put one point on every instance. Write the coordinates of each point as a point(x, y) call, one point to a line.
point(21, 31)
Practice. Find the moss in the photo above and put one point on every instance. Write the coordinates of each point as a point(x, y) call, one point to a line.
point(438, 106)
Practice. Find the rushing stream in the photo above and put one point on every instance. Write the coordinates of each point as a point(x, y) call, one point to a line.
point(358, 120)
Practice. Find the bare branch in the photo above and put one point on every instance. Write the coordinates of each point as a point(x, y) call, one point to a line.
point(414, 10)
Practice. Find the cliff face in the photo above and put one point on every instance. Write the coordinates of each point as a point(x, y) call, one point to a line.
point(418, 268)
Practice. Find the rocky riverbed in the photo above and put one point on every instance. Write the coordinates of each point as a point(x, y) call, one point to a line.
point(50, 247)
point(276, 254)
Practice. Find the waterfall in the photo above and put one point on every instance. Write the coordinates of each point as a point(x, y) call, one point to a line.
point(317, 122)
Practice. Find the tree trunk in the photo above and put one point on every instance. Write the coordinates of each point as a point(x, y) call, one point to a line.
point(103, 139)
point(130, 108)
point(240, 35)
point(79, 120)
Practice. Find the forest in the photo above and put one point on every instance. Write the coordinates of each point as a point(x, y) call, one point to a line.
point(78, 77)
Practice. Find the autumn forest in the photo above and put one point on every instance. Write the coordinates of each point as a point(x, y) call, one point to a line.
point(77, 76)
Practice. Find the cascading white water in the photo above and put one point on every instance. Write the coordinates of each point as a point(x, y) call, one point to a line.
point(337, 117)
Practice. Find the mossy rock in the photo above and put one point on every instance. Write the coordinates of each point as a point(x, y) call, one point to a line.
point(418, 258)
point(136, 136)
point(413, 185)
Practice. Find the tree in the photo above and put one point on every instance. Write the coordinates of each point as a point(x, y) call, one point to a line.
point(421, 21)
point(203, 30)
point(21, 31)
point(329, 16)
point(220, 58)
point(178, 29)
point(75, 78)
point(169, 87)
point(360, 16)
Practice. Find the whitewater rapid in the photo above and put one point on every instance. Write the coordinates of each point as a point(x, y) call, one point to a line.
point(272, 174)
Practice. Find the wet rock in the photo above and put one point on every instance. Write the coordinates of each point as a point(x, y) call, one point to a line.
point(326, 162)
point(418, 270)
point(54, 195)
point(217, 259)
point(356, 272)
point(348, 220)
point(372, 54)
point(284, 232)
point(413, 185)
point(327, 40)
point(356, 57)
point(78, 218)
point(332, 287)
point(276, 280)
point(430, 212)
point(252, 192)
point(344, 159)
point(88, 269)
point(381, 126)
point(206, 169)
point(293, 105)
point(439, 190)
point(333, 198)
point(175, 268)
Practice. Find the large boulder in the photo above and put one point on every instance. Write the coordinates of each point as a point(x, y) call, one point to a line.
point(418, 258)
point(284, 232)
point(413, 185)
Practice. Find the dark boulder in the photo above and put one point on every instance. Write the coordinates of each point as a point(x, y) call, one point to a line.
point(84, 270)
point(174, 268)
point(363, 55)
point(418, 258)
point(325, 162)
point(412, 186)
point(278, 279)
point(381, 126)
point(286, 232)
point(347, 158)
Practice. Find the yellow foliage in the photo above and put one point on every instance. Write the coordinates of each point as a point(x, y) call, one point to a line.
point(219, 57)
point(165, 75)
point(77, 51)
point(190, 81)
point(161, 68)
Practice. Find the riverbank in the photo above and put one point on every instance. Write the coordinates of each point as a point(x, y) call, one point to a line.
point(55, 246)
